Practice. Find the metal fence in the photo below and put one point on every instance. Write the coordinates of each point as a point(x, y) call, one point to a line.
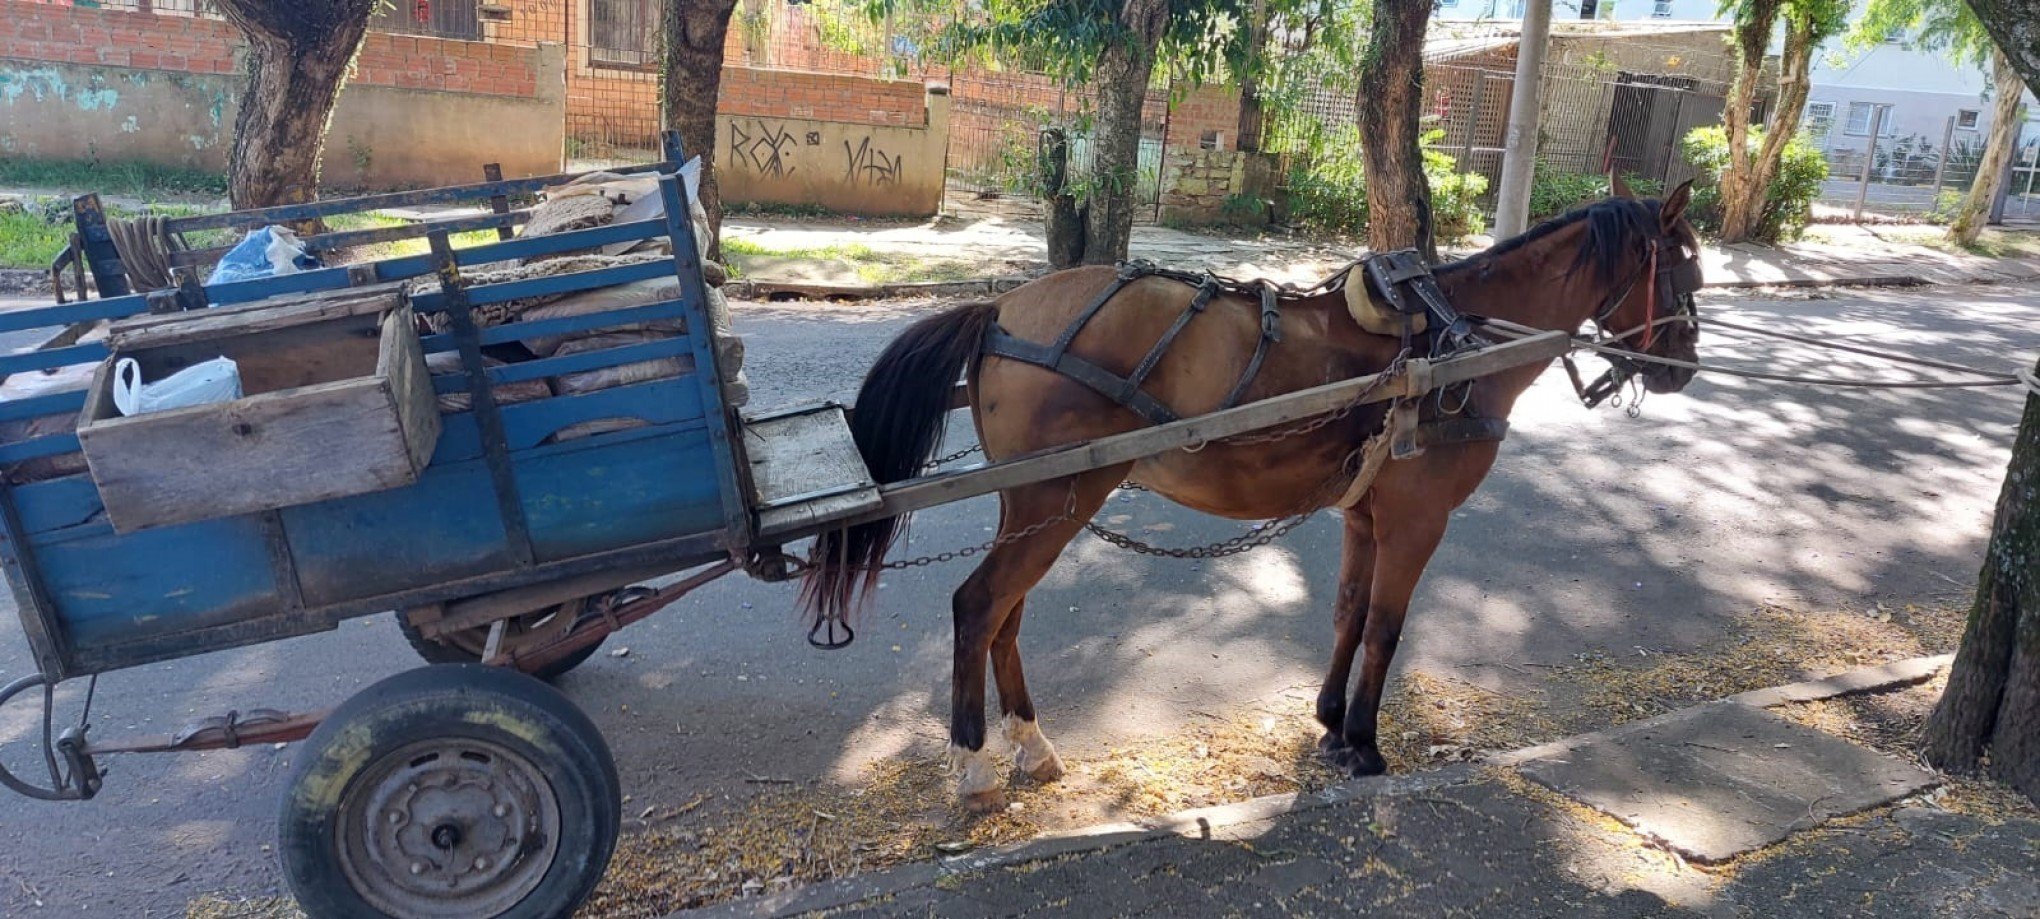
point(1884, 172)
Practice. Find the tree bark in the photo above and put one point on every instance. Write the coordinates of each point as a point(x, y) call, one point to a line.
point(1124, 71)
point(1248, 139)
point(1391, 104)
point(1745, 217)
point(298, 58)
point(1752, 37)
point(690, 83)
point(1993, 698)
point(1062, 219)
point(1990, 172)
point(2015, 26)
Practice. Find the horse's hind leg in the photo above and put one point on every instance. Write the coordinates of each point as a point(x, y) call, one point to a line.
point(987, 609)
point(1349, 617)
point(1032, 753)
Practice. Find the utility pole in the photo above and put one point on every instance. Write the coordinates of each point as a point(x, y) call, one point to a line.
point(1519, 147)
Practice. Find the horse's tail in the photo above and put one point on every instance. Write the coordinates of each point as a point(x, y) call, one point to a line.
point(898, 424)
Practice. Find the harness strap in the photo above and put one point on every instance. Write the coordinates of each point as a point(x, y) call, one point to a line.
point(1002, 343)
point(1205, 291)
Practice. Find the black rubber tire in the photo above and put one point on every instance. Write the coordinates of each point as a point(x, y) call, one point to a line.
point(463, 702)
point(433, 651)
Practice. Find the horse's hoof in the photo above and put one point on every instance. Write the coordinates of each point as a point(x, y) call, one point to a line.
point(1046, 771)
point(1331, 743)
point(1358, 762)
point(989, 801)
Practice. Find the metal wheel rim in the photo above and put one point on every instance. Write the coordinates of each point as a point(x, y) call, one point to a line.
point(531, 630)
point(452, 827)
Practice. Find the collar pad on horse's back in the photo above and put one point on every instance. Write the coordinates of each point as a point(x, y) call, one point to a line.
point(1411, 302)
point(1126, 391)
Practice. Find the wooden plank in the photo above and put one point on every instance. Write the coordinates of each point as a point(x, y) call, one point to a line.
point(249, 319)
point(270, 450)
point(38, 406)
point(51, 358)
point(327, 243)
point(805, 469)
point(72, 313)
point(928, 491)
point(447, 194)
point(564, 325)
point(493, 172)
point(402, 363)
point(523, 247)
point(676, 347)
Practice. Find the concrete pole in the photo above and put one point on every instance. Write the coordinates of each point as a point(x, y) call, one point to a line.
point(1519, 147)
point(1869, 158)
point(1997, 202)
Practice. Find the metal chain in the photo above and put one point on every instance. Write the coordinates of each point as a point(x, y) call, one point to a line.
point(1245, 542)
point(1393, 370)
point(1069, 513)
point(953, 457)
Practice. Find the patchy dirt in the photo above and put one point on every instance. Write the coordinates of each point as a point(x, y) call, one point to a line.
point(23, 282)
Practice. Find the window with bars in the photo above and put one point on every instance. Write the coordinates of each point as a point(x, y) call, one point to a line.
point(1662, 10)
point(457, 19)
point(623, 33)
point(1820, 119)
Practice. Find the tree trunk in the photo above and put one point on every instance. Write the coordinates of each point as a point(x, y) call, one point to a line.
point(1795, 77)
point(1248, 139)
point(298, 56)
point(1391, 102)
point(689, 84)
point(1752, 38)
point(1993, 698)
point(1062, 219)
point(1990, 172)
point(2015, 26)
point(1124, 70)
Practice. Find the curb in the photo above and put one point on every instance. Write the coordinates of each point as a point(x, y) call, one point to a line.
point(1222, 821)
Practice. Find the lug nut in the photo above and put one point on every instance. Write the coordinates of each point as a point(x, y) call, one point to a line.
point(417, 867)
point(502, 810)
point(481, 864)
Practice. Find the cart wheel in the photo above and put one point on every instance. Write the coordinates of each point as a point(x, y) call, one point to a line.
point(526, 631)
point(455, 790)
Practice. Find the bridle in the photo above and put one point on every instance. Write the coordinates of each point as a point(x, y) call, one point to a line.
point(1668, 266)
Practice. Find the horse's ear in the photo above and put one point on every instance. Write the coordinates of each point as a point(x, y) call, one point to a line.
point(1675, 206)
point(1617, 187)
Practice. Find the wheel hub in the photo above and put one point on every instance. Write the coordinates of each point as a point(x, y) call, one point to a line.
point(453, 827)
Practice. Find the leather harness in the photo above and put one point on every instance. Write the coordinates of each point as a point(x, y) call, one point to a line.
point(1402, 279)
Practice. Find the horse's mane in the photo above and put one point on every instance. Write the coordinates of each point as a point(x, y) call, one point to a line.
point(1617, 229)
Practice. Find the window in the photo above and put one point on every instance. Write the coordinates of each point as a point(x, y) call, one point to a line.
point(1861, 114)
point(441, 18)
point(623, 33)
point(1966, 119)
point(1820, 119)
point(1662, 10)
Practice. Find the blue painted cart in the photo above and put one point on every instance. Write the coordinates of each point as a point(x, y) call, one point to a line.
point(453, 790)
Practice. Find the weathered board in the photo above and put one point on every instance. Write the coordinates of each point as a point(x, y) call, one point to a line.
point(805, 469)
point(335, 406)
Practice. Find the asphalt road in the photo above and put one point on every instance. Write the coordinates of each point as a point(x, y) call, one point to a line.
point(1596, 531)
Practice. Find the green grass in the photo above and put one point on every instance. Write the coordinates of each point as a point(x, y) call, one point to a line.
point(140, 180)
point(871, 266)
point(27, 242)
point(1991, 243)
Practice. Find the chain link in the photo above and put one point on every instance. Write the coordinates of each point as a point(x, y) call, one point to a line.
point(1069, 513)
point(1245, 542)
point(953, 457)
point(1314, 425)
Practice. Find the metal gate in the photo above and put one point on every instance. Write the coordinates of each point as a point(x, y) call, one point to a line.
point(1649, 116)
point(995, 124)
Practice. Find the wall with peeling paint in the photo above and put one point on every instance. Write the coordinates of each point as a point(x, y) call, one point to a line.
point(852, 168)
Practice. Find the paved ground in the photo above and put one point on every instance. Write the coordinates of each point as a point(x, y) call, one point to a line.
point(1465, 843)
point(1596, 531)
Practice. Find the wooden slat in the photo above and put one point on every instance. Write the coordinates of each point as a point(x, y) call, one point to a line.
point(928, 491)
point(70, 313)
point(333, 242)
point(564, 325)
point(38, 406)
point(50, 445)
point(583, 362)
point(448, 194)
point(51, 358)
point(248, 319)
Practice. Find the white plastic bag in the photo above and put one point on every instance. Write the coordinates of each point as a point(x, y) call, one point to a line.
point(263, 253)
point(216, 380)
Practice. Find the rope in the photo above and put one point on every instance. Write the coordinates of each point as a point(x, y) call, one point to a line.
point(145, 247)
point(1853, 349)
point(2032, 382)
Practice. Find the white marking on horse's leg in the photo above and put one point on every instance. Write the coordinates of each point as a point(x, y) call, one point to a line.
point(1032, 753)
point(977, 782)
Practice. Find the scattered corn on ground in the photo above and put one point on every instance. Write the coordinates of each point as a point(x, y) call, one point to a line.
point(705, 851)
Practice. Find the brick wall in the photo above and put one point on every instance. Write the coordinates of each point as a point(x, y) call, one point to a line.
point(621, 107)
point(31, 30)
point(1204, 111)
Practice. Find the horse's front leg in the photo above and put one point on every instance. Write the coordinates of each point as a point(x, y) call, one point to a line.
point(1405, 538)
point(1349, 617)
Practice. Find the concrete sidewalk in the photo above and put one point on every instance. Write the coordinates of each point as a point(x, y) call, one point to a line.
point(1525, 834)
point(1010, 243)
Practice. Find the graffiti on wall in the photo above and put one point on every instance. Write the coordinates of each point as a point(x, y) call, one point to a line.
point(869, 165)
point(762, 148)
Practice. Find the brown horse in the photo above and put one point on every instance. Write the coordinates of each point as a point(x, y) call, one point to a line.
point(1607, 262)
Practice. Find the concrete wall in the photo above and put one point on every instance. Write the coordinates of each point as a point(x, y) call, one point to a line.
point(845, 166)
point(82, 83)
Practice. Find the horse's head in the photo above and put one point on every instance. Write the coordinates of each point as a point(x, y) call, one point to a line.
point(1650, 309)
